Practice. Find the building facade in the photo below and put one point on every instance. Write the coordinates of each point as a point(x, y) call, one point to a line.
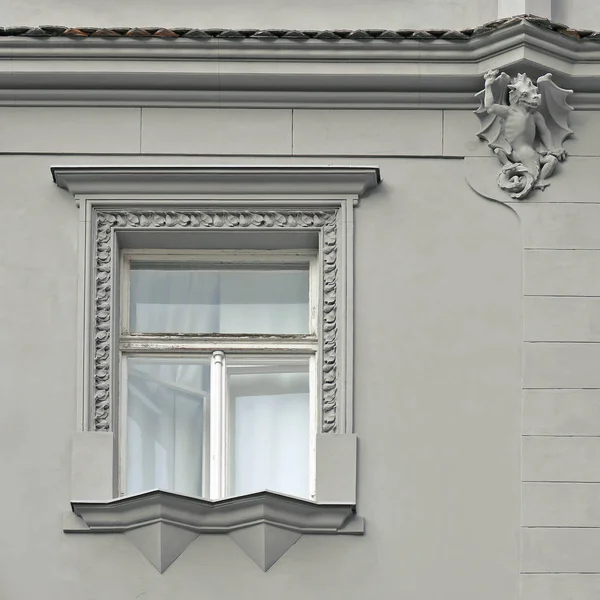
point(327, 181)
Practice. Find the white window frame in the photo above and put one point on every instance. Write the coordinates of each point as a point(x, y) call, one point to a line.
point(216, 460)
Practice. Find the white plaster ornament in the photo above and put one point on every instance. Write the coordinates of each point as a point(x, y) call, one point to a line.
point(525, 125)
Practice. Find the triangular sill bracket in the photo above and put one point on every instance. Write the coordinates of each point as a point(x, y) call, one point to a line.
point(265, 524)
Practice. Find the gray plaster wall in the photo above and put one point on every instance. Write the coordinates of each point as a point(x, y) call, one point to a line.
point(289, 14)
point(286, 14)
point(438, 383)
point(578, 14)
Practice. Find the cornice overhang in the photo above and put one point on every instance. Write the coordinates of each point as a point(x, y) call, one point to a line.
point(220, 516)
point(343, 181)
point(347, 73)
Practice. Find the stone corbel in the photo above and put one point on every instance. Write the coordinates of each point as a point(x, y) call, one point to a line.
point(525, 125)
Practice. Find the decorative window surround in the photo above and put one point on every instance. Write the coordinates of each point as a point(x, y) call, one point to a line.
point(120, 200)
point(275, 197)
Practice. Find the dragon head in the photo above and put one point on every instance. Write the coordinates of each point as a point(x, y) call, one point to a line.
point(522, 92)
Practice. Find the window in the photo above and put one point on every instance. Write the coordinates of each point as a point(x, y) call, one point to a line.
point(218, 354)
point(215, 357)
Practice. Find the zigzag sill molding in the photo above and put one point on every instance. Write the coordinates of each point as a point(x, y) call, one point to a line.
point(278, 72)
point(219, 516)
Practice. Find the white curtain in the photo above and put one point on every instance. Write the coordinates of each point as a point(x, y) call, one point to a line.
point(270, 433)
point(168, 300)
point(165, 421)
point(167, 396)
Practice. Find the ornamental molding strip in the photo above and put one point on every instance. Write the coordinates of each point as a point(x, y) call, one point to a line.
point(104, 266)
point(264, 525)
point(328, 70)
point(314, 198)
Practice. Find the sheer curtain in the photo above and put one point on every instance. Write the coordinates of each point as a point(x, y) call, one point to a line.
point(168, 397)
point(187, 300)
point(270, 437)
point(165, 424)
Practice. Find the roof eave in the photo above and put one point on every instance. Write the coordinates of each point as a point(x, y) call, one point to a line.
point(286, 73)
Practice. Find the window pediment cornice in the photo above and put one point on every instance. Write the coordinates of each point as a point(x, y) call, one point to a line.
point(348, 181)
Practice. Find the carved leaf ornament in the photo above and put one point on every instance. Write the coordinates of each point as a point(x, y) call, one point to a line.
point(104, 262)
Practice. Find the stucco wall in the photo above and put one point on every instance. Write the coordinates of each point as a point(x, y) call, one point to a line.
point(438, 322)
point(287, 14)
point(582, 15)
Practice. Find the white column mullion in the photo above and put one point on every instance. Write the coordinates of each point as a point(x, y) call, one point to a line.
point(218, 387)
point(313, 427)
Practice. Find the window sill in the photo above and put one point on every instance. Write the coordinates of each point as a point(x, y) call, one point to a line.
point(264, 525)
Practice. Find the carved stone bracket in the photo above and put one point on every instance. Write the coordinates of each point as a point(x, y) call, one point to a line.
point(104, 264)
point(525, 125)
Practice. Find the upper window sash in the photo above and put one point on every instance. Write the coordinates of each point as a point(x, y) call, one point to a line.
point(262, 260)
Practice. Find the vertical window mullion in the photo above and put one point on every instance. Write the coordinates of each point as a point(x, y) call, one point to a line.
point(313, 427)
point(216, 478)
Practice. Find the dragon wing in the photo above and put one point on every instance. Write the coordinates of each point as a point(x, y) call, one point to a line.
point(491, 125)
point(555, 110)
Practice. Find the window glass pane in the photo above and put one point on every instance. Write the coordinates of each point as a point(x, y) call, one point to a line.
point(188, 298)
point(269, 418)
point(166, 398)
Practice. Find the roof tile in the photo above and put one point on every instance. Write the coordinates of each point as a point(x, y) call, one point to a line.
point(422, 35)
point(196, 34)
point(264, 35)
point(359, 34)
point(137, 32)
point(74, 32)
point(104, 33)
point(37, 32)
point(292, 34)
point(165, 33)
point(454, 35)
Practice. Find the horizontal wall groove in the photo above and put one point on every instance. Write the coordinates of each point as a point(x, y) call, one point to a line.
point(560, 342)
point(536, 248)
point(561, 388)
point(560, 526)
point(563, 483)
point(560, 572)
point(558, 435)
point(560, 481)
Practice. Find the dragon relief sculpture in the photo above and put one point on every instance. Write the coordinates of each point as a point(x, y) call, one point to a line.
point(526, 132)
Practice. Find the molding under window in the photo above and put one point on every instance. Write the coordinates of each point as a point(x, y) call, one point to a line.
point(264, 525)
point(217, 516)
